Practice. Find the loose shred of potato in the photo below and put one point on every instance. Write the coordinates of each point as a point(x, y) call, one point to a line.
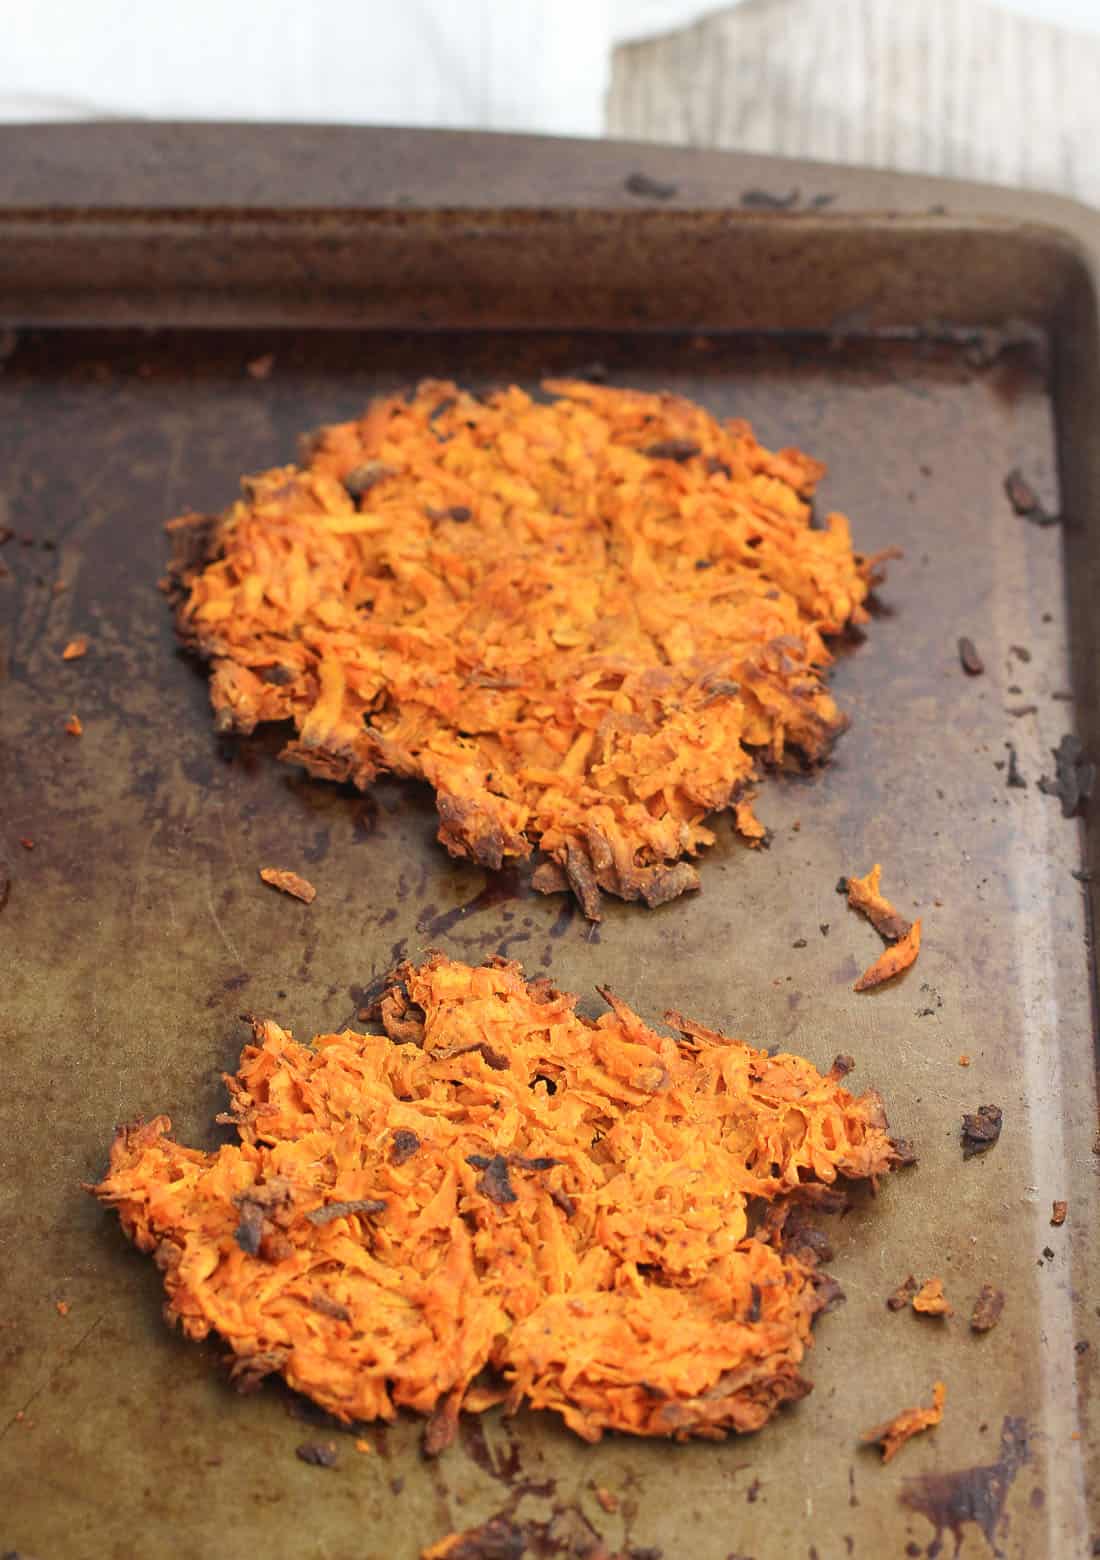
point(498, 1200)
point(585, 623)
point(931, 1300)
point(893, 1435)
point(892, 961)
point(864, 895)
point(289, 883)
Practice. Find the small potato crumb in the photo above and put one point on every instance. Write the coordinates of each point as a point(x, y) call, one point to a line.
point(930, 1299)
point(289, 883)
point(893, 1435)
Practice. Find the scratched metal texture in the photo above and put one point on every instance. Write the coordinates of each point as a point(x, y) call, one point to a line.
point(137, 930)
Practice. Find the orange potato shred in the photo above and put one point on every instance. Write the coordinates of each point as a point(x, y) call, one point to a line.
point(498, 1200)
point(864, 895)
point(893, 1435)
point(289, 883)
point(892, 961)
point(931, 1300)
point(585, 621)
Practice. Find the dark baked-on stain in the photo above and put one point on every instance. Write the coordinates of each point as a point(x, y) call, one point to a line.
point(319, 1454)
point(649, 188)
point(1074, 776)
point(1025, 501)
point(1014, 777)
point(981, 1130)
point(950, 1500)
point(767, 200)
point(902, 1294)
point(568, 1535)
point(498, 1539)
point(987, 1309)
point(971, 661)
point(5, 884)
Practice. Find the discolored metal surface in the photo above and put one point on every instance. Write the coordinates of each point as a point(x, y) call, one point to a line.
point(137, 930)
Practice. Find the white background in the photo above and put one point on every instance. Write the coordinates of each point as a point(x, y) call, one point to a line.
point(482, 64)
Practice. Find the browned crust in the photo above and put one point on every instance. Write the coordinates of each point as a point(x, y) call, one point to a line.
point(595, 848)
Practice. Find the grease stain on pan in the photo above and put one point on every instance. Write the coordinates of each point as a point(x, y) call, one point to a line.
point(950, 1500)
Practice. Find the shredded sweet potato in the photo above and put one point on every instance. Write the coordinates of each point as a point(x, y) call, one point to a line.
point(74, 726)
point(289, 883)
point(931, 1300)
point(499, 1200)
point(899, 956)
point(864, 895)
point(75, 648)
point(584, 623)
point(893, 1435)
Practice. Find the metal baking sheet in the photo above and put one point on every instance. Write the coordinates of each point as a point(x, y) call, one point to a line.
point(136, 929)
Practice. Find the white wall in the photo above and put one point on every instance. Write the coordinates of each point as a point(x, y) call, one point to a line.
point(487, 64)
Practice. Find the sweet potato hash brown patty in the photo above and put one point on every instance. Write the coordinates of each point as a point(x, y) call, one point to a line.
point(498, 1200)
point(586, 623)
